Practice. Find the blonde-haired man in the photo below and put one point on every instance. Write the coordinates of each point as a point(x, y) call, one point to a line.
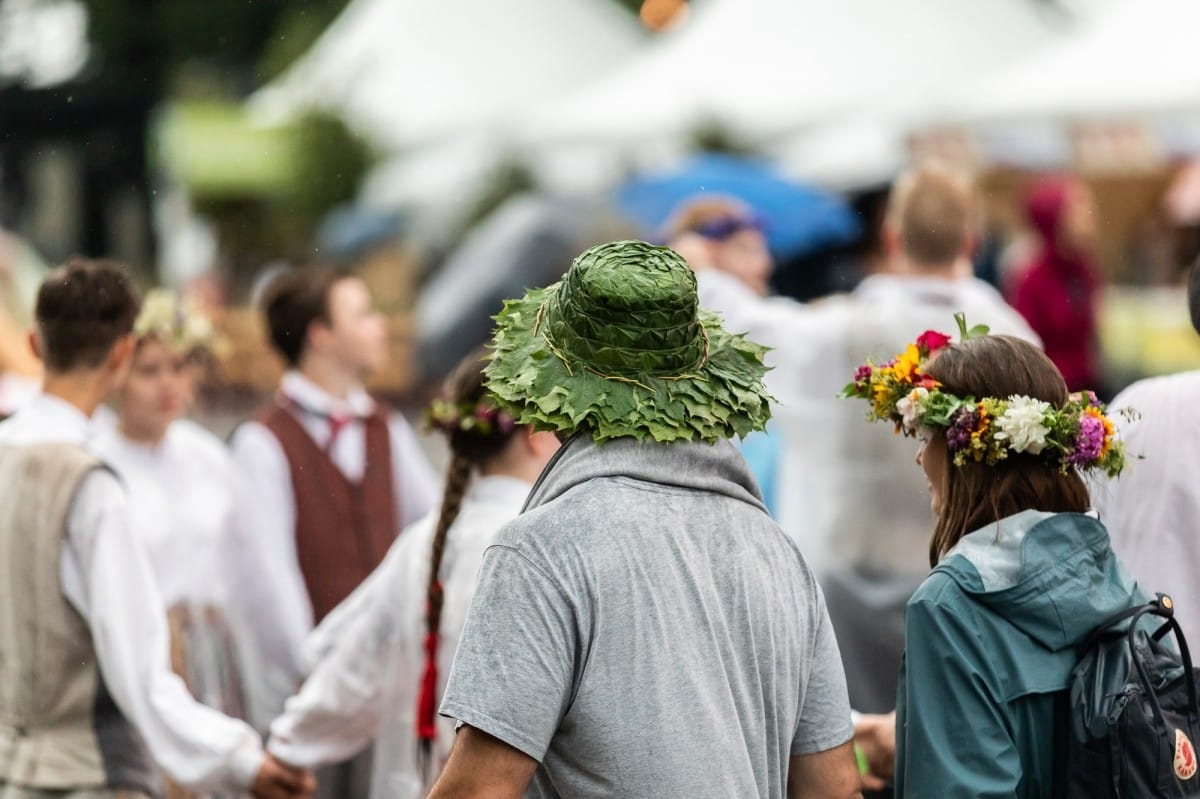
point(849, 495)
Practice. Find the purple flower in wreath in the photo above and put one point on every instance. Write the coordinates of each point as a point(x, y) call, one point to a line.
point(863, 373)
point(505, 423)
point(958, 434)
point(1089, 441)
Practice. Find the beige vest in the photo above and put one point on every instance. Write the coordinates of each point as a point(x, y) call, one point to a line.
point(59, 728)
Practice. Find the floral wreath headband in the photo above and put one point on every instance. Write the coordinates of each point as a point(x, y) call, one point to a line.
point(481, 418)
point(175, 321)
point(1078, 435)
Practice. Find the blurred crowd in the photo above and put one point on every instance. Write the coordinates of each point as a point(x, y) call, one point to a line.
point(306, 580)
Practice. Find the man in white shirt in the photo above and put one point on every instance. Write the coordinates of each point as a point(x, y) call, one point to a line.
point(1151, 512)
point(333, 475)
point(86, 688)
point(847, 491)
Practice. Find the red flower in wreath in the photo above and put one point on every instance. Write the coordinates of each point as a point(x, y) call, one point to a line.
point(931, 341)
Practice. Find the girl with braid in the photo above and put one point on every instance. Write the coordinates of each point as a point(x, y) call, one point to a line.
point(389, 646)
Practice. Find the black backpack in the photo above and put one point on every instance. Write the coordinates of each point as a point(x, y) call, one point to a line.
point(1133, 717)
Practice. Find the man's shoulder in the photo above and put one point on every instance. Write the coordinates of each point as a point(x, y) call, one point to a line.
point(66, 469)
point(256, 428)
point(567, 522)
point(980, 301)
point(396, 421)
point(536, 527)
point(49, 454)
point(1180, 384)
point(198, 441)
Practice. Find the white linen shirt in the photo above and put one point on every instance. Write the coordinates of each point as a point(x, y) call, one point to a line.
point(183, 507)
point(367, 681)
point(814, 355)
point(1152, 511)
point(283, 616)
point(106, 576)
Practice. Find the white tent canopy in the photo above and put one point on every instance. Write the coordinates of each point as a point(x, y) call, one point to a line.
point(763, 67)
point(42, 43)
point(847, 154)
point(406, 72)
point(1135, 57)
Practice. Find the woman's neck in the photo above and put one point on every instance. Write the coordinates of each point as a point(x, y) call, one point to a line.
point(141, 434)
point(523, 470)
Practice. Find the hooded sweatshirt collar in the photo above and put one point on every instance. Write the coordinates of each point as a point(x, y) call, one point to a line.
point(691, 465)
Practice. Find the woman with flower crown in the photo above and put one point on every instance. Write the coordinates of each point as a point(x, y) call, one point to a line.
point(385, 652)
point(1023, 571)
point(182, 499)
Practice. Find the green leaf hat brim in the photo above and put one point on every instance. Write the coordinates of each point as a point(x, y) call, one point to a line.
point(540, 386)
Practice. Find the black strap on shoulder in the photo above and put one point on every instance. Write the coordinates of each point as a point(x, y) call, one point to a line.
point(1163, 607)
point(1106, 626)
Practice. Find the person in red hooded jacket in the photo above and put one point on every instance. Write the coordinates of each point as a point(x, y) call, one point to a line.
point(1056, 290)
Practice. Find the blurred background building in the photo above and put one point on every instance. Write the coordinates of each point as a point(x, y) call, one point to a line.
point(459, 151)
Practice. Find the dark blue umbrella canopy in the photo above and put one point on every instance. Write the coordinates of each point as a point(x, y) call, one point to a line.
point(798, 219)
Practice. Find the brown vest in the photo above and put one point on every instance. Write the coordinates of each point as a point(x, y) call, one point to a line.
point(343, 529)
point(59, 727)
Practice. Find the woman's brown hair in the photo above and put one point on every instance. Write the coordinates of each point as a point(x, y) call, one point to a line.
point(976, 494)
point(469, 450)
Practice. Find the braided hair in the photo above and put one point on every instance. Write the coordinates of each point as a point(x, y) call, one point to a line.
point(476, 432)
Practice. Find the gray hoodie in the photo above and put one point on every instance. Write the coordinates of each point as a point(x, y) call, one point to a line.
point(645, 629)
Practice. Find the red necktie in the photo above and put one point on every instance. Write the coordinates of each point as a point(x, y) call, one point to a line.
point(337, 423)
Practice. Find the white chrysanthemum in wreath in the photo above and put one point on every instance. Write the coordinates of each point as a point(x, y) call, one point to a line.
point(1023, 425)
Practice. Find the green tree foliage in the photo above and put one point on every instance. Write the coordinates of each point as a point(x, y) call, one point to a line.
point(336, 161)
point(250, 40)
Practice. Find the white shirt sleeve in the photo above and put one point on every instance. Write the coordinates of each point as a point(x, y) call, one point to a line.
point(272, 599)
point(805, 339)
point(343, 701)
point(369, 593)
point(417, 487)
point(107, 577)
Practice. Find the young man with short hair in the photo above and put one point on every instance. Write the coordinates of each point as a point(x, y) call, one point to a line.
point(333, 475)
point(859, 512)
point(87, 695)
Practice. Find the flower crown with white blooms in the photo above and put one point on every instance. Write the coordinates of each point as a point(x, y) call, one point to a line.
point(1078, 435)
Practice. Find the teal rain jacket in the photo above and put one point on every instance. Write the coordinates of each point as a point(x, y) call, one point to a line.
point(991, 638)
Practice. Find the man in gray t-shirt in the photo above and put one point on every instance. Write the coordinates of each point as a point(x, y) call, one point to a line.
point(643, 628)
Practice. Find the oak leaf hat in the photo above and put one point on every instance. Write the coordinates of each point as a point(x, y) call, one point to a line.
point(621, 348)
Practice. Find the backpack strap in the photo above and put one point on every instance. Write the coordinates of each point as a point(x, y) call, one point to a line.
point(1163, 607)
point(1106, 626)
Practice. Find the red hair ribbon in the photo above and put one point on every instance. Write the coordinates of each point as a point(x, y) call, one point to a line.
point(426, 726)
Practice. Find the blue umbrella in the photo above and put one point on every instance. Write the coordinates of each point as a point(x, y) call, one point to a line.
point(798, 219)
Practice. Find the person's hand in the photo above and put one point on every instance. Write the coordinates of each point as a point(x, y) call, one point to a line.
point(875, 735)
point(277, 780)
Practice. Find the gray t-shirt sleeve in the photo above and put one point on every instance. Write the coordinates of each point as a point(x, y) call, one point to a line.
point(513, 672)
point(825, 712)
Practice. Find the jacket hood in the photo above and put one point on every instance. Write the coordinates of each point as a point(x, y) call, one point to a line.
point(1045, 204)
point(713, 467)
point(1052, 575)
point(1046, 207)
